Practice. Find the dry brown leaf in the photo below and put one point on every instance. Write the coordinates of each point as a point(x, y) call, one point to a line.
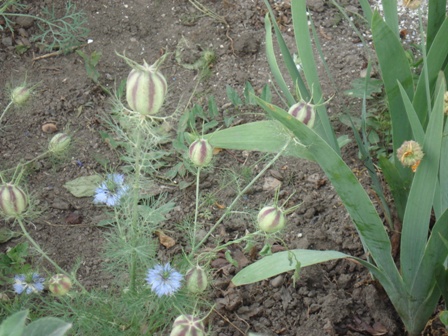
point(165, 240)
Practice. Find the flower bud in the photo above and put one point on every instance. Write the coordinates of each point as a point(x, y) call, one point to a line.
point(196, 279)
point(303, 112)
point(20, 95)
point(410, 154)
point(201, 152)
point(271, 219)
point(59, 284)
point(146, 89)
point(188, 325)
point(13, 200)
point(59, 143)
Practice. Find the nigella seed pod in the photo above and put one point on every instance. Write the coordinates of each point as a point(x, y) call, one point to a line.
point(188, 325)
point(196, 279)
point(20, 95)
point(59, 284)
point(13, 200)
point(146, 89)
point(59, 143)
point(303, 112)
point(201, 152)
point(271, 219)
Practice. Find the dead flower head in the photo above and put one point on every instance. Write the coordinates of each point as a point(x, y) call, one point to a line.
point(410, 154)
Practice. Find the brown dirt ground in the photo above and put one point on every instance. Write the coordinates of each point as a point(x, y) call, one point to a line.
point(336, 298)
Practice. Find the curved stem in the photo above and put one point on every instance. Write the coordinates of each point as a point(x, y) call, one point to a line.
point(228, 210)
point(39, 249)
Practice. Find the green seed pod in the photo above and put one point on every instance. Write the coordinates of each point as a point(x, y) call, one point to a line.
point(13, 200)
point(303, 112)
point(146, 89)
point(59, 143)
point(196, 279)
point(20, 95)
point(271, 219)
point(59, 284)
point(201, 152)
point(188, 325)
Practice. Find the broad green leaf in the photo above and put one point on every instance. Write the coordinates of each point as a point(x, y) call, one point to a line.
point(264, 136)
point(14, 325)
point(47, 326)
point(418, 209)
point(444, 318)
point(84, 186)
point(358, 204)
point(280, 263)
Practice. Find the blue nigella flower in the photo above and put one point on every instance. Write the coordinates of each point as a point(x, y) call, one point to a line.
point(111, 190)
point(164, 280)
point(33, 284)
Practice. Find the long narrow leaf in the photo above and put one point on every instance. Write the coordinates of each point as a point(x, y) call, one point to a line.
point(280, 263)
point(391, 15)
point(303, 42)
point(287, 58)
point(394, 67)
point(418, 210)
point(414, 121)
point(272, 61)
point(436, 15)
point(437, 56)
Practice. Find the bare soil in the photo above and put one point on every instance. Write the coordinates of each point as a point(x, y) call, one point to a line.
point(336, 298)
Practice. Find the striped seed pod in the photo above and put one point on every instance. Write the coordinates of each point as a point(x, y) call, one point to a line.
point(20, 95)
point(201, 152)
point(188, 325)
point(59, 143)
point(146, 89)
point(59, 284)
point(271, 219)
point(303, 112)
point(196, 279)
point(13, 200)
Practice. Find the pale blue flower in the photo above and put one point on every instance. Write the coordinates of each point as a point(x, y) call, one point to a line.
point(33, 285)
point(164, 280)
point(111, 190)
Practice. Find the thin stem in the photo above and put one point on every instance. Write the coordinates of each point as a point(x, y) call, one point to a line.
point(6, 109)
point(39, 249)
point(135, 200)
point(40, 156)
point(196, 211)
point(250, 184)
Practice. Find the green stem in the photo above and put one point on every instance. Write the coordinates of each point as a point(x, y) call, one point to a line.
point(135, 200)
point(4, 111)
point(196, 211)
point(39, 249)
point(40, 156)
point(228, 210)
